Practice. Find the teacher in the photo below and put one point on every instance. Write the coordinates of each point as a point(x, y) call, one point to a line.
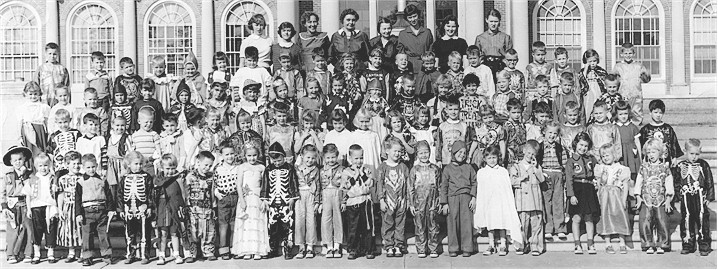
point(415, 39)
point(256, 39)
point(388, 42)
point(493, 43)
point(349, 40)
point(311, 39)
point(448, 43)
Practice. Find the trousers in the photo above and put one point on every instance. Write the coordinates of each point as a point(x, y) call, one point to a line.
point(426, 229)
point(19, 232)
point(40, 228)
point(305, 228)
point(137, 232)
point(95, 219)
point(202, 233)
point(226, 213)
point(281, 223)
point(695, 223)
point(532, 226)
point(460, 224)
point(652, 219)
point(332, 229)
point(392, 227)
point(360, 239)
point(554, 203)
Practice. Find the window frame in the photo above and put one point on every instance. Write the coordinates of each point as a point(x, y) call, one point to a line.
point(615, 57)
point(269, 18)
point(696, 76)
point(582, 25)
point(69, 27)
point(146, 33)
point(40, 37)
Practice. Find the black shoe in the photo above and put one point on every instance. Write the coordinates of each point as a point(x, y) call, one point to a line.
point(212, 258)
point(705, 253)
point(226, 256)
point(685, 251)
point(189, 260)
point(87, 262)
point(352, 256)
point(453, 254)
point(370, 256)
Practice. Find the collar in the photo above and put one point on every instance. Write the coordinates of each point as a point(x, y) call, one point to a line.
point(622, 124)
point(450, 121)
point(418, 32)
point(89, 138)
point(489, 32)
point(543, 98)
point(253, 36)
point(319, 70)
point(445, 37)
point(344, 32)
point(285, 44)
point(492, 167)
point(572, 125)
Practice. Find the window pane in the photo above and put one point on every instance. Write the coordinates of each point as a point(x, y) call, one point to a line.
point(704, 37)
point(637, 22)
point(19, 41)
point(169, 22)
point(93, 29)
point(236, 29)
point(559, 26)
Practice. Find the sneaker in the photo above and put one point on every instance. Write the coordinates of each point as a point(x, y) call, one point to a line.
point(179, 260)
point(610, 250)
point(650, 251)
point(310, 254)
point(35, 260)
point(370, 256)
point(352, 256)
point(11, 260)
point(453, 254)
point(562, 236)
point(390, 252)
point(503, 251)
point(592, 250)
point(300, 254)
point(398, 252)
point(705, 253)
point(161, 261)
point(329, 254)
point(337, 253)
point(660, 251)
point(27, 260)
point(622, 250)
point(578, 249)
point(535, 253)
point(145, 261)
point(490, 250)
point(520, 251)
point(434, 255)
point(421, 255)
point(87, 262)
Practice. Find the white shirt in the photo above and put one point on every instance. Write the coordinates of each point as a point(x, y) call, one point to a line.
point(340, 140)
point(263, 45)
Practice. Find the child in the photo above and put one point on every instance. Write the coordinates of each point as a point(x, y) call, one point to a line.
point(581, 189)
point(182, 106)
point(279, 191)
point(455, 72)
point(14, 206)
point(482, 71)
point(199, 184)
point(63, 140)
point(495, 207)
point(171, 209)
point(392, 194)
point(135, 204)
point(488, 133)
point(337, 135)
point(227, 181)
point(62, 94)
point(290, 74)
point(282, 132)
point(165, 84)
point(251, 71)
point(560, 66)
point(422, 199)
point(40, 192)
point(330, 177)
point(437, 104)
point(613, 184)
point(307, 134)
point(252, 240)
point(147, 100)
point(310, 197)
point(121, 107)
point(515, 132)
point(220, 72)
point(246, 136)
point(517, 80)
point(145, 140)
point(538, 67)
point(551, 157)
point(320, 71)
point(281, 92)
point(502, 96)
point(632, 75)
point(91, 142)
point(396, 125)
point(422, 130)
point(611, 97)
point(171, 142)
point(357, 181)
point(253, 105)
point(193, 135)
point(630, 142)
point(542, 115)
point(375, 72)
point(367, 140)
point(526, 178)
point(402, 69)
point(566, 95)
point(470, 101)
point(426, 78)
point(451, 131)
point(313, 100)
point(68, 230)
point(93, 107)
point(218, 101)
point(591, 80)
point(127, 78)
point(654, 192)
point(99, 79)
point(117, 143)
point(213, 134)
point(194, 79)
point(337, 99)
point(696, 182)
point(602, 131)
point(457, 196)
point(660, 130)
point(377, 107)
point(541, 94)
point(353, 81)
point(94, 208)
point(572, 126)
point(33, 116)
point(406, 103)
point(51, 73)
point(286, 46)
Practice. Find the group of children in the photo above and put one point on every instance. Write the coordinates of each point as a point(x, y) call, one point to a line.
point(247, 161)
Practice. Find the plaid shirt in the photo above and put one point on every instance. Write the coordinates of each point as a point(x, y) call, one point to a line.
point(550, 159)
point(499, 101)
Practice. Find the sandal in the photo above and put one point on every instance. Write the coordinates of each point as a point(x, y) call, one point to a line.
point(610, 250)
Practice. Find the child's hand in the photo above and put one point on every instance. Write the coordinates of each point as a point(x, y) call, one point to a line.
point(262, 206)
point(574, 200)
point(412, 210)
point(318, 209)
point(29, 213)
point(444, 209)
point(639, 201)
point(382, 205)
point(9, 214)
point(343, 207)
point(122, 215)
point(472, 204)
point(148, 212)
point(79, 220)
point(153, 224)
point(669, 207)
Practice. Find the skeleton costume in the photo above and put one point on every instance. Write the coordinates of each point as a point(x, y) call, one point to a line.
point(134, 197)
point(695, 187)
point(201, 211)
point(654, 186)
point(60, 143)
point(279, 189)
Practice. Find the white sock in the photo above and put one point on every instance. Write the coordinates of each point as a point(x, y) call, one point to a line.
point(36, 248)
point(71, 252)
point(50, 252)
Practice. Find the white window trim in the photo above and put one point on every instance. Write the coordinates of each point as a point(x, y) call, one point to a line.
point(695, 77)
point(146, 32)
point(581, 9)
point(40, 39)
point(661, 41)
point(68, 33)
point(270, 20)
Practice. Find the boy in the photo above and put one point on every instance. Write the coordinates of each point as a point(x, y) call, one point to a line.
point(225, 191)
point(612, 96)
point(164, 84)
point(91, 142)
point(375, 73)
point(63, 140)
point(320, 71)
point(93, 106)
point(128, 79)
point(51, 73)
point(571, 126)
point(291, 76)
point(281, 132)
point(451, 131)
point(134, 203)
point(14, 206)
point(40, 190)
point(488, 133)
point(561, 65)
point(199, 185)
point(100, 80)
point(330, 184)
point(602, 131)
point(542, 115)
point(251, 104)
point(526, 178)
point(281, 90)
point(455, 72)
point(566, 95)
point(94, 208)
point(310, 198)
point(542, 94)
point(245, 135)
point(470, 102)
point(252, 71)
point(426, 77)
point(406, 102)
point(695, 179)
point(213, 134)
point(422, 198)
point(475, 66)
point(515, 132)
point(502, 96)
point(662, 131)
point(391, 192)
point(437, 104)
point(551, 157)
point(279, 192)
point(537, 67)
point(402, 69)
point(67, 180)
point(336, 100)
point(456, 196)
point(145, 140)
point(517, 80)
point(632, 75)
point(147, 99)
point(357, 182)
point(194, 79)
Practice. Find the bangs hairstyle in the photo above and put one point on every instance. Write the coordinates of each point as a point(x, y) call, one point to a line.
point(89, 158)
point(90, 117)
point(392, 141)
point(219, 56)
point(394, 114)
point(309, 148)
point(62, 114)
point(339, 115)
point(654, 144)
point(148, 83)
point(258, 19)
point(492, 150)
point(158, 61)
point(169, 159)
point(514, 103)
point(306, 16)
point(97, 55)
point(551, 124)
point(628, 46)
point(454, 55)
point(657, 104)
point(32, 86)
point(202, 155)
point(147, 111)
point(572, 106)
point(421, 111)
point(590, 53)
point(538, 46)
point(608, 148)
point(309, 116)
point(286, 25)
point(428, 56)
point(568, 77)
point(622, 105)
point(487, 110)
point(330, 149)
point(354, 148)
point(251, 52)
point(542, 79)
point(42, 158)
point(280, 107)
point(473, 50)
point(600, 104)
point(315, 81)
point(443, 80)
point(583, 136)
point(169, 117)
point(495, 13)
point(349, 11)
point(362, 113)
point(319, 52)
point(560, 51)
point(132, 156)
point(72, 156)
point(471, 78)
point(376, 52)
point(243, 116)
point(503, 74)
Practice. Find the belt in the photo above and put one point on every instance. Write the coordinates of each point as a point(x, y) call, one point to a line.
point(492, 58)
point(552, 170)
point(585, 181)
point(93, 204)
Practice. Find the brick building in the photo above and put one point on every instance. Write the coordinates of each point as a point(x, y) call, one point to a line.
point(676, 39)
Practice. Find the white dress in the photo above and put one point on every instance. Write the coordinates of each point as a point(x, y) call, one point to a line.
point(252, 237)
point(495, 206)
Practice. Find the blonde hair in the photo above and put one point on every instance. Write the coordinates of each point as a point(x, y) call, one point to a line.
point(362, 113)
point(654, 144)
point(133, 155)
point(42, 158)
point(169, 159)
point(608, 147)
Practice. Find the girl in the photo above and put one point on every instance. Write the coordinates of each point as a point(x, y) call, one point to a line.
point(422, 130)
point(285, 45)
point(396, 124)
point(309, 133)
point(331, 177)
point(305, 232)
point(68, 230)
point(353, 81)
point(193, 136)
point(170, 204)
point(591, 80)
point(182, 106)
point(220, 72)
point(613, 188)
point(164, 83)
point(194, 80)
point(630, 142)
point(314, 100)
point(117, 144)
point(455, 71)
point(218, 101)
point(437, 104)
point(121, 107)
point(338, 134)
point(376, 104)
point(495, 206)
point(171, 142)
point(581, 188)
point(33, 119)
point(40, 191)
point(62, 94)
point(251, 240)
point(367, 139)
point(654, 192)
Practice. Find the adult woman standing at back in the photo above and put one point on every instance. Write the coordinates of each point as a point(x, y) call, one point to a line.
point(493, 43)
point(257, 39)
point(286, 45)
point(311, 39)
point(349, 40)
point(449, 42)
point(415, 39)
point(388, 42)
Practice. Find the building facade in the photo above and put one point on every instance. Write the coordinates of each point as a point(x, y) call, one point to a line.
point(675, 39)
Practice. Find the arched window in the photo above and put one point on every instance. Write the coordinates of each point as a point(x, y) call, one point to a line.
point(235, 28)
point(20, 45)
point(92, 28)
point(559, 24)
point(639, 22)
point(703, 37)
point(170, 34)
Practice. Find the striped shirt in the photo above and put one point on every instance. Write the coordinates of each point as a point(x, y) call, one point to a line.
point(145, 142)
point(494, 44)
